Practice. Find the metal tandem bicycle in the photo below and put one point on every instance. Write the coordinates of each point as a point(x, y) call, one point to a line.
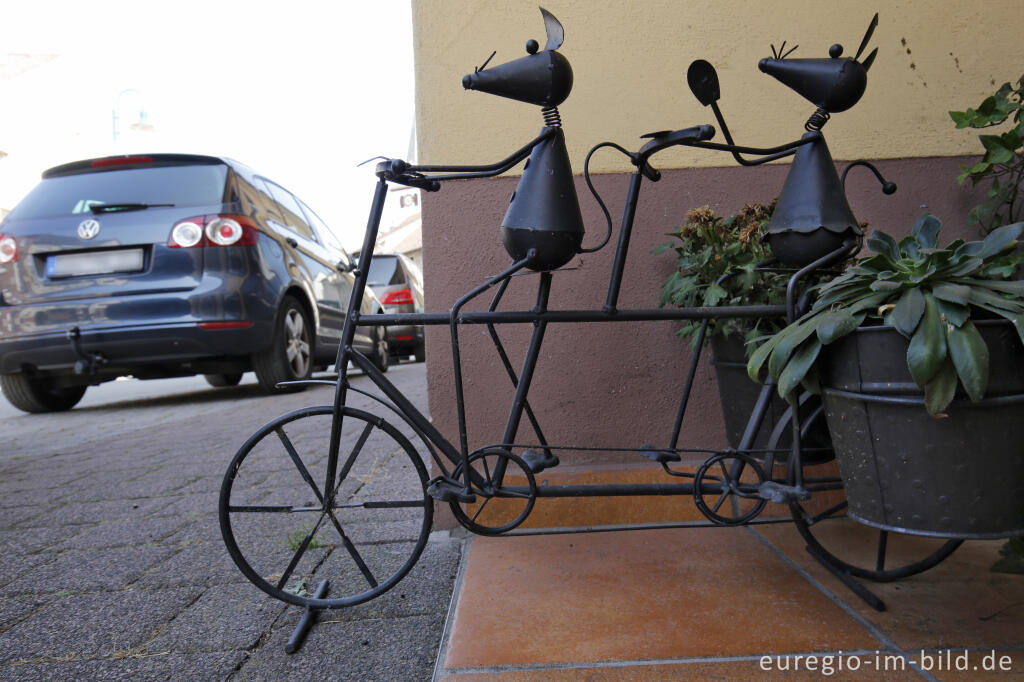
point(343, 495)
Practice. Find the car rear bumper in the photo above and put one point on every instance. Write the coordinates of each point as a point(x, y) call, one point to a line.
point(130, 349)
point(405, 337)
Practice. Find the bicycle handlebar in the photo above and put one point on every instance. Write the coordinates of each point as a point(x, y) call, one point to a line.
point(665, 139)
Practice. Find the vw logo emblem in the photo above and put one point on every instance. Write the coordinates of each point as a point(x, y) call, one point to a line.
point(87, 229)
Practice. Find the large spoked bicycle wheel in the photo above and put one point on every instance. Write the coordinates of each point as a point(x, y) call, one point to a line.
point(285, 534)
point(850, 547)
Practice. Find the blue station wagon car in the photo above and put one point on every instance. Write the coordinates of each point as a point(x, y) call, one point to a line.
point(167, 265)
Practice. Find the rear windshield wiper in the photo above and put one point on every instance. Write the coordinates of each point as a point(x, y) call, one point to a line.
point(117, 208)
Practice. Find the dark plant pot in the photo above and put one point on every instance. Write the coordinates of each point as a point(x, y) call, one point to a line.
point(738, 395)
point(960, 476)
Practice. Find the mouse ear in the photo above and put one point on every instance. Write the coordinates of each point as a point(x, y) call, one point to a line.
point(556, 34)
point(867, 36)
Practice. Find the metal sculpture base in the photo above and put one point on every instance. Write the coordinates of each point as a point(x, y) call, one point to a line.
point(307, 621)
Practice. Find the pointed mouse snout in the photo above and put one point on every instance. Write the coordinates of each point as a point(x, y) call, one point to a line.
point(830, 83)
point(544, 79)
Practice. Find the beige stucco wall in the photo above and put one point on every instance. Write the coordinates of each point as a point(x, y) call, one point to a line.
point(630, 58)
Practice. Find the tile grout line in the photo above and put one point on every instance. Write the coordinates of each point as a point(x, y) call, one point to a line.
point(449, 620)
point(842, 604)
point(575, 665)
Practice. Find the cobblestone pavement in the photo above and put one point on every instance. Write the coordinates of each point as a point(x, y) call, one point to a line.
point(112, 564)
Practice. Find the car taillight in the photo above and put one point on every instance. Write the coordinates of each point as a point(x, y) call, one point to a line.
point(224, 231)
point(213, 230)
point(186, 234)
point(8, 249)
point(400, 297)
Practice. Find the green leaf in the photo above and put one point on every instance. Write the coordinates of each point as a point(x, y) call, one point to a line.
point(908, 312)
point(836, 324)
point(927, 348)
point(798, 366)
point(987, 299)
point(970, 357)
point(926, 230)
point(954, 293)
point(908, 247)
point(713, 294)
point(1018, 324)
point(884, 245)
point(952, 313)
point(1000, 239)
point(939, 392)
point(996, 151)
point(960, 118)
point(1014, 287)
point(965, 267)
point(884, 285)
point(758, 357)
point(790, 337)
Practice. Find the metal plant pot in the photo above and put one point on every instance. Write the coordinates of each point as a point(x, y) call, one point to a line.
point(961, 476)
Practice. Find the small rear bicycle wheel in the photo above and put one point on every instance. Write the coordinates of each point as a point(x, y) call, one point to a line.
point(285, 533)
point(850, 547)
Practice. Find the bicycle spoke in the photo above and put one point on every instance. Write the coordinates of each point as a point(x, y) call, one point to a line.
point(303, 471)
point(721, 499)
point(351, 458)
point(482, 505)
point(298, 553)
point(811, 520)
point(387, 504)
point(272, 508)
point(354, 553)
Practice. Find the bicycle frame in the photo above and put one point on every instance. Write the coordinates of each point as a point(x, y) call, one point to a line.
point(540, 316)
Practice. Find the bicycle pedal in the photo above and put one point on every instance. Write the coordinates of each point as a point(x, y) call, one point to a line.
point(652, 453)
point(782, 494)
point(445, 491)
point(537, 461)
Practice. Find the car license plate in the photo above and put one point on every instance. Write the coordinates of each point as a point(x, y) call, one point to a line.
point(94, 263)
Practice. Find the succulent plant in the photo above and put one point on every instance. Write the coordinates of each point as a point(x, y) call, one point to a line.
point(927, 293)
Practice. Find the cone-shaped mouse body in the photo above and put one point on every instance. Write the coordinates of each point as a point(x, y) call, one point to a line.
point(833, 84)
point(812, 217)
point(544, 212)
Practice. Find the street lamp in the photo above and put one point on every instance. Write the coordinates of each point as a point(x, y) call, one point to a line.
point(140, 125)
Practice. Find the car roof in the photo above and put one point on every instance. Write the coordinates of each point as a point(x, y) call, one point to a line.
point(127, 161)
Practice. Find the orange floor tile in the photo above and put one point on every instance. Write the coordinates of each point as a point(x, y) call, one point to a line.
point(637, 596)
point(709, 603)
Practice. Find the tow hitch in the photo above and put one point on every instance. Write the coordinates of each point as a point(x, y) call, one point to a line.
point(87, 362)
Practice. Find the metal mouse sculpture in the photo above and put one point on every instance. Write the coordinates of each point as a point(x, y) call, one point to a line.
point(544, 212)
point(812, 217)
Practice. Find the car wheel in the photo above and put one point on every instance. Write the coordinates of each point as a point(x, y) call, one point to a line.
point(33, 394)
point(223, 380)
point(290, 356)
point(421, 352)
point(381, 353)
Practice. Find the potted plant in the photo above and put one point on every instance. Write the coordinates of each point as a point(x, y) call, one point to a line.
point(917, 353)
point(1003, 161)
point(718, 262)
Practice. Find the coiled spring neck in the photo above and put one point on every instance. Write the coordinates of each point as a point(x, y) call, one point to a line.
point(817, 120)
point(552, 118)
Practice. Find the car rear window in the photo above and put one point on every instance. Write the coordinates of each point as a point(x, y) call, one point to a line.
point(178, 185)
point(384, 270)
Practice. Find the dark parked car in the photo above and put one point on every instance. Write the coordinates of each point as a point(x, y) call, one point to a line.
point(398, 284)
point(167, 265)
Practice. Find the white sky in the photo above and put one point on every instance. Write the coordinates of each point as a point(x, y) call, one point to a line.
point(300, 91)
